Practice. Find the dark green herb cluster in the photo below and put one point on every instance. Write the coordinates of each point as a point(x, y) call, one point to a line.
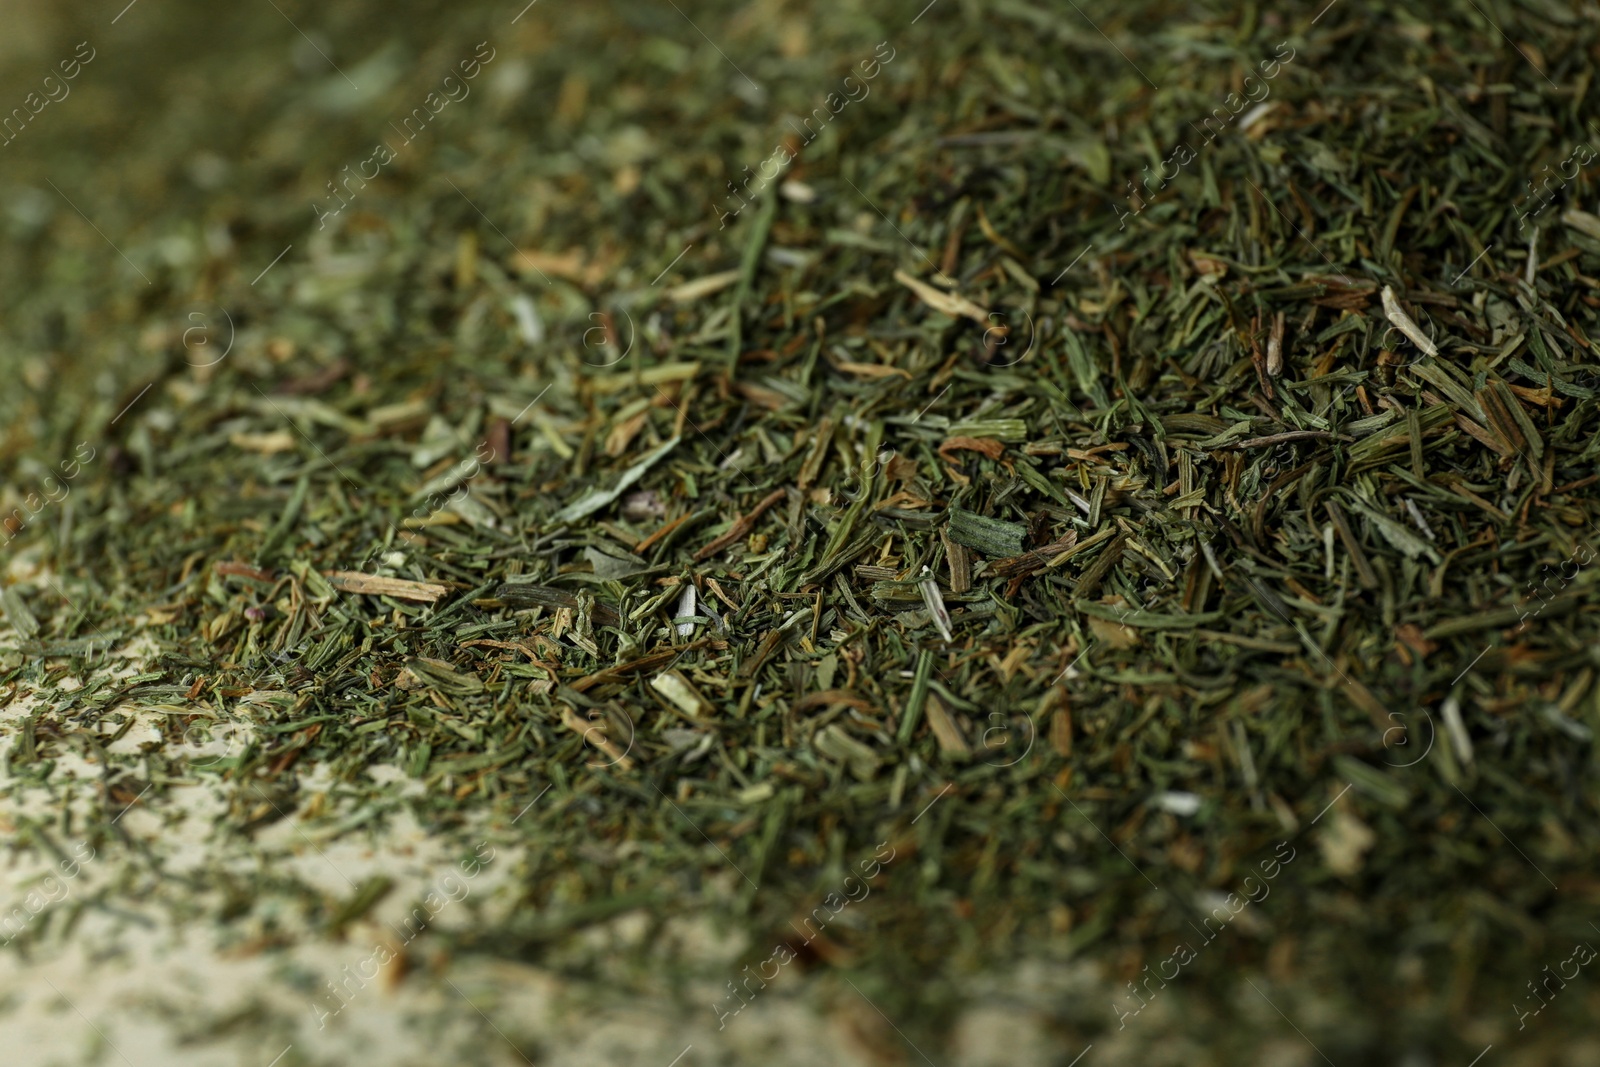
point(1091, 465)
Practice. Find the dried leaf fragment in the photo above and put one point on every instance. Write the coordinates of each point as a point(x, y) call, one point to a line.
point(374, 585)
point(1583, 222)
point(682, 693)
point(1404, 323)
point(833, 742)
point(945, 730)
point(936, 608)
point(952, 304)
